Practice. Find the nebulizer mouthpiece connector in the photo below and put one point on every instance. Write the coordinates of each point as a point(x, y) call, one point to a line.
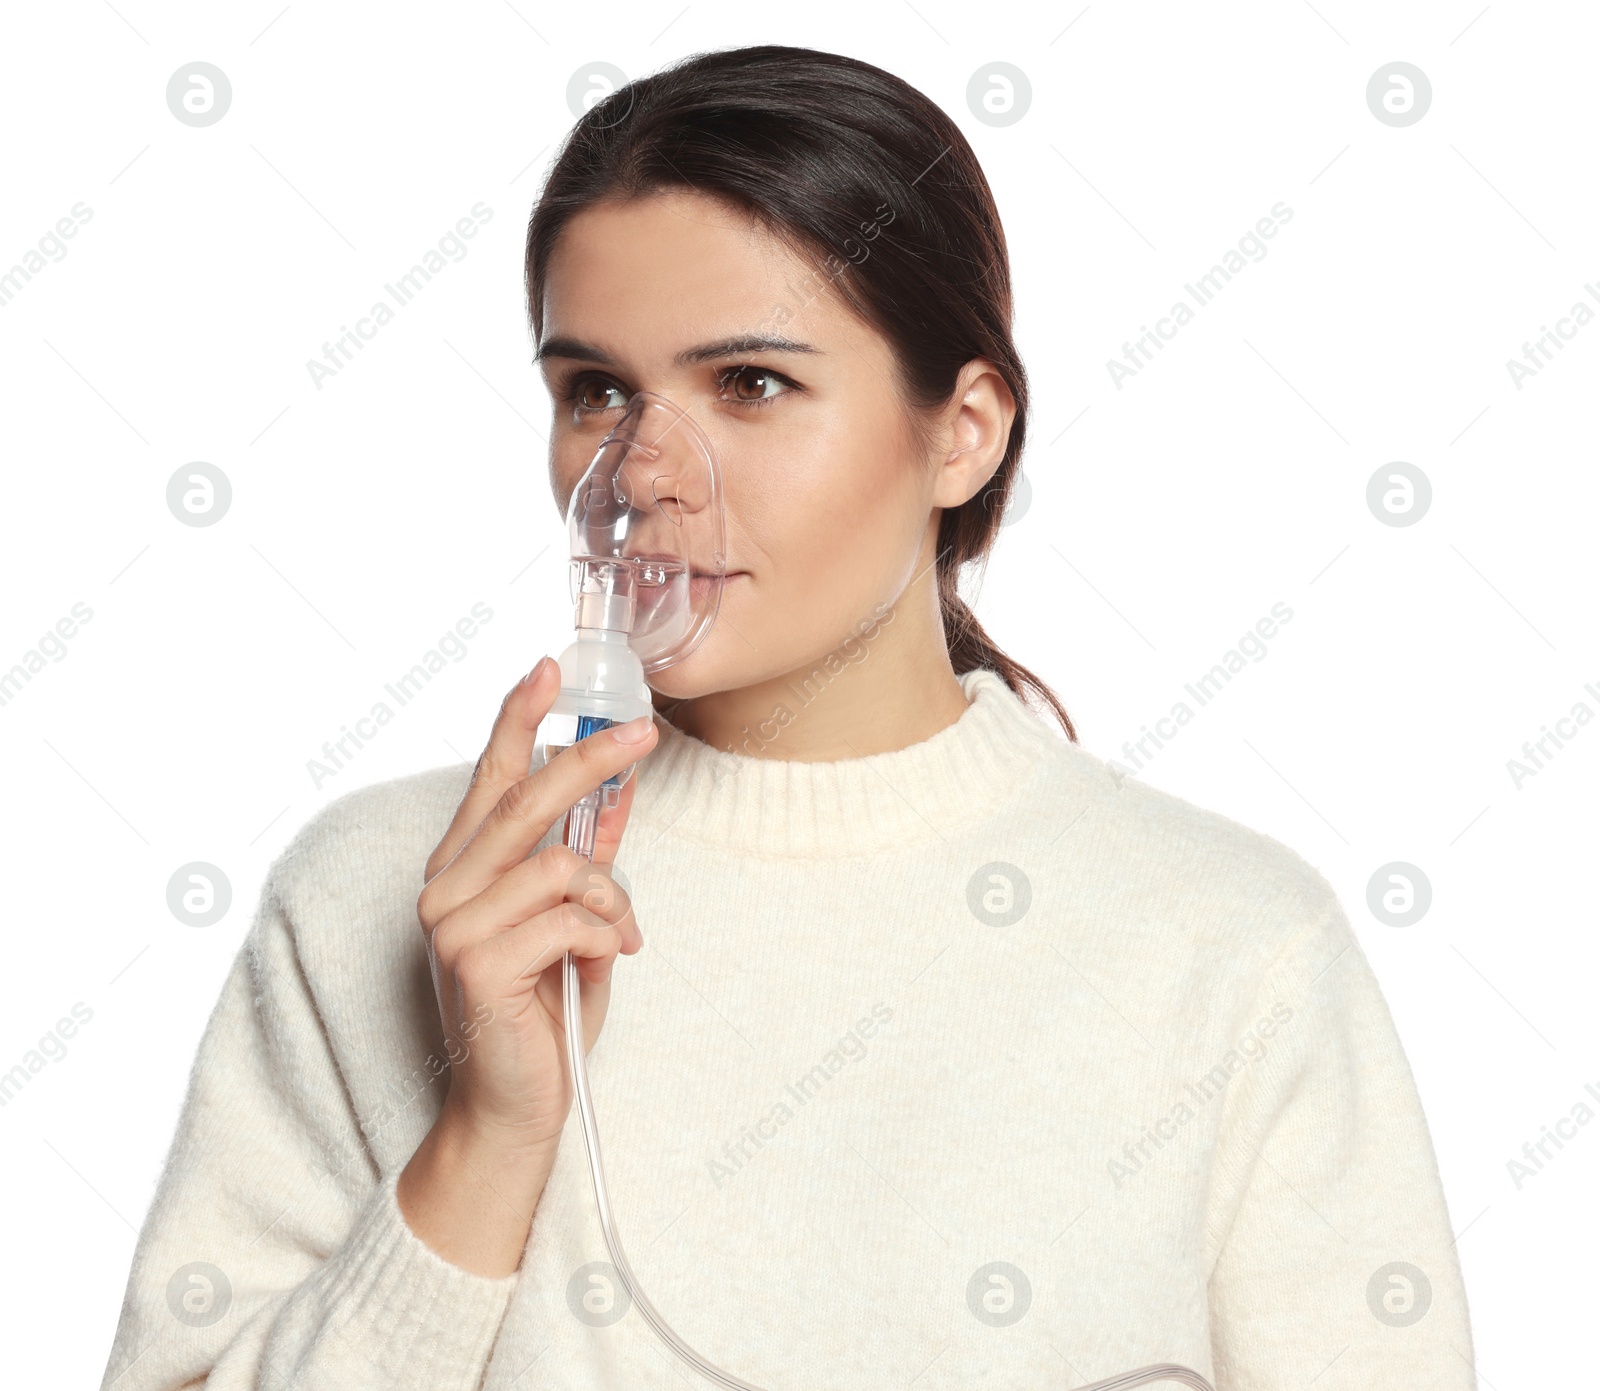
point(605, 600)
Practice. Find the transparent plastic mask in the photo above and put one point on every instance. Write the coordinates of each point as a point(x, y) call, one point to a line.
point(647, 530)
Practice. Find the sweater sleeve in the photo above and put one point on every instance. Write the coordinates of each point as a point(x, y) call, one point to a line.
point(274, 1253)
point(1336, 1263)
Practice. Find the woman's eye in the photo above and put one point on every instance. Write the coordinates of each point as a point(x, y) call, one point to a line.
point(753, 386)
point(590, 394)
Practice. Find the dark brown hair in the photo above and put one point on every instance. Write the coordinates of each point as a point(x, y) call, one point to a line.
point(868, 180)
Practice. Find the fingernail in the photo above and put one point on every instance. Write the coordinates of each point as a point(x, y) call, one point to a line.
point(533, 675)
point(635, 731)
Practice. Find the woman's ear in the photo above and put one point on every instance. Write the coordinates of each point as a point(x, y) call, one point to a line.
point(977, 429)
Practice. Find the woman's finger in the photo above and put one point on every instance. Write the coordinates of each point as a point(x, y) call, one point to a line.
point(613, 822)
point(528, 808)
point(529, 948)
point(505, 759)
point(536, 885)
point(594, 994)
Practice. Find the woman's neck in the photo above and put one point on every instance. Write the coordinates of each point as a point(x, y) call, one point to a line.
point(870, 695)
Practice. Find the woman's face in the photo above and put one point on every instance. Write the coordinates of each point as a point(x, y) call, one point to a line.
point(829, 500)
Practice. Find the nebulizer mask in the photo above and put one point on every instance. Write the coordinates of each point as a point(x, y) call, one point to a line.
point(646, 524)
point(647, 527)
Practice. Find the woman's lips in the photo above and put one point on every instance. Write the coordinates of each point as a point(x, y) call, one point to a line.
point(703, 586)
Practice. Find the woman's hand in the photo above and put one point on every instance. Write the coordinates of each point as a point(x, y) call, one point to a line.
point(499, 924)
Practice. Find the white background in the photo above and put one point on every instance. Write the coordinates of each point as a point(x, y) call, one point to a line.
point(1167, 516)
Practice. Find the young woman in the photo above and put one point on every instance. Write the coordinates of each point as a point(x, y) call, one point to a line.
point(954, 1058)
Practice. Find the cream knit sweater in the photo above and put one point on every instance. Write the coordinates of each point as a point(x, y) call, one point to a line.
point(963, 1064)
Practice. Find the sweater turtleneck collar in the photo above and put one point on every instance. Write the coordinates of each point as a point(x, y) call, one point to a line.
point(802, 810)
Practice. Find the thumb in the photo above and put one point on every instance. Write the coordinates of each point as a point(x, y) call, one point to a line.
point(613, 821)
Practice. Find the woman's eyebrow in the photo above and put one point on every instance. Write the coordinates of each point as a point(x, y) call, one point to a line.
point(744, 343)
point(571, 347)
point(706, 352)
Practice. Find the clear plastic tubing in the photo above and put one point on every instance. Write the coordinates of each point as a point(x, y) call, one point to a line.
point(580, 831)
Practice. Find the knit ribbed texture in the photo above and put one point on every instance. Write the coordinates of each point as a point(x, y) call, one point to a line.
point(774, 806)
point(964, 1064)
